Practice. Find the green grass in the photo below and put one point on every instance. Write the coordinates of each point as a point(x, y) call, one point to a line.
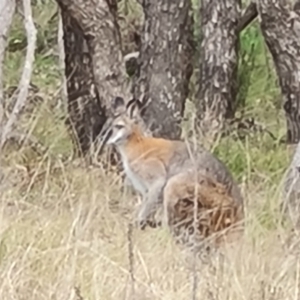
point(65, 226)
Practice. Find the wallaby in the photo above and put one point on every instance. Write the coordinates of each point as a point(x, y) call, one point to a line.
point(150, 162)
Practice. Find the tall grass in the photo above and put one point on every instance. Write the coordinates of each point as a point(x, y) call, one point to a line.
point(63, 227)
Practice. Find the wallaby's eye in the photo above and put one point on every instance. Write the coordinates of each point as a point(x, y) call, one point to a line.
point(118, 126)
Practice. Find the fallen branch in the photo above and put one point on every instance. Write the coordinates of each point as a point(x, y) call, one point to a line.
point(26, 75)
point(249, 14)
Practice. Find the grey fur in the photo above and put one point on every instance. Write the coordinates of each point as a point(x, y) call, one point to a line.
point(204, 161)
point(182, 160)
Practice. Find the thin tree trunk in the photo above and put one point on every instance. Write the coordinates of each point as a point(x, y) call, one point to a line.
point(7, 9)
point(97, 20)
point(86, 114)
point(62, 63)
point(165, 64)
point(95, 69)
point(280, 27)
point(24, 83)
point(217, 89)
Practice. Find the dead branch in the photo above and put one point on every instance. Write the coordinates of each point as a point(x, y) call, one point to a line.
point(26, 75)
point(7, 9)
point(61, 52)
point(249, 14)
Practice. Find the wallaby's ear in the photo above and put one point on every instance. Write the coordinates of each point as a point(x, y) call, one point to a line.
point(142, 107)
point(134, 108)
point(118, 105)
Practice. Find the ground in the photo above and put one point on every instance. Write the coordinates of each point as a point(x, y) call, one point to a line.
point(64, 227)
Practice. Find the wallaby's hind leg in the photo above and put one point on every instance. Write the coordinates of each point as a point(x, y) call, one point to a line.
point(217, 212)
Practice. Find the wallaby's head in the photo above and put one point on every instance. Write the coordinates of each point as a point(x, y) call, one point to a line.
point(125, 119)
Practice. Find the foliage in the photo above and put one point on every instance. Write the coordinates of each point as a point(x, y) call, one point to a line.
point(258, 91)
point(62, 214)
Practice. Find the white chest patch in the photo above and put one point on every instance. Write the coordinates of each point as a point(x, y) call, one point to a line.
point(136, 181)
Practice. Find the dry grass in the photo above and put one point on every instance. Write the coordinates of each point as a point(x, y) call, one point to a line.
point(63, 228)
point(63, 235)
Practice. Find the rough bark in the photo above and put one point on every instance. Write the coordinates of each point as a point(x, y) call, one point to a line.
point(165, 64)
point(86, 114)
point(7, 9)
point(97, 20)
point(249, 14)
point(95, 69)
point(280, 28)
point(217, 88)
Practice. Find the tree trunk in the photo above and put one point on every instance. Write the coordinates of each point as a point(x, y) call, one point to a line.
point(165, 64)
point(86, 113)
point(217, 90)
point(95, 69)
point(7, 9)
point(280, 27)
point(249, 14)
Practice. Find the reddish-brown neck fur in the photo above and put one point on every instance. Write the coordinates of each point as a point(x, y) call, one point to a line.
point(138, 144)
point(137, 137)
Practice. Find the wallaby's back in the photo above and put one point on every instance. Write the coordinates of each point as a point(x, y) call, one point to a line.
point(204, 161)
point(219, 216)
